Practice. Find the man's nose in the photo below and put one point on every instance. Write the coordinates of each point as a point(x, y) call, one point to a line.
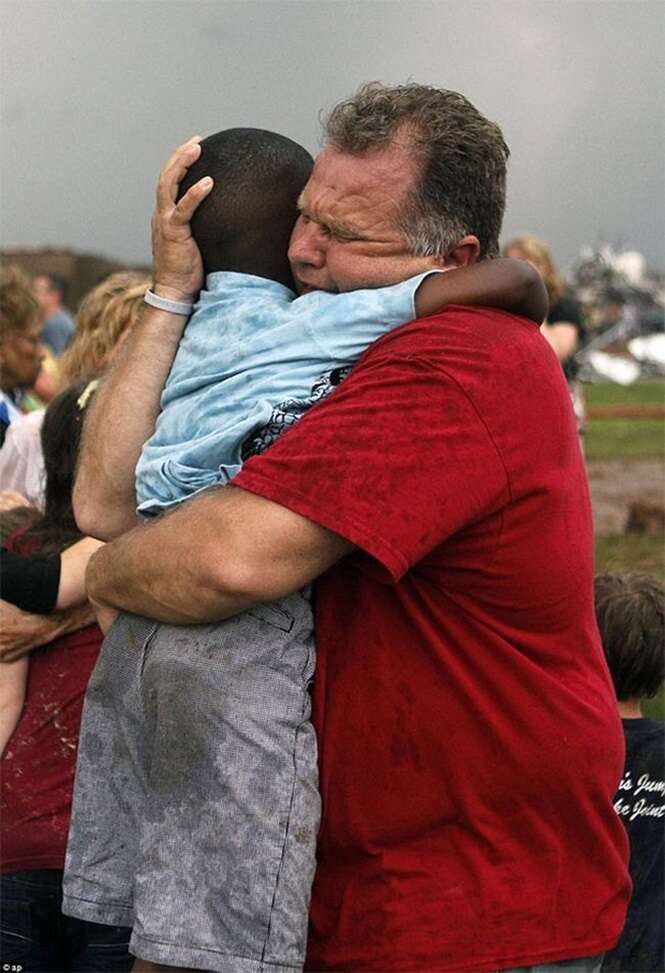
point(308, 245)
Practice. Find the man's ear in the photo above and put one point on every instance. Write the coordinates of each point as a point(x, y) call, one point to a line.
point(463, 254)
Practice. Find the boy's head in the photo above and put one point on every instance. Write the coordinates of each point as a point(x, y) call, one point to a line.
point(630, 610)
point(245, 222)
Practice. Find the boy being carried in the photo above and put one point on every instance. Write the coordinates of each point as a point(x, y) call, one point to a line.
point(196, 807)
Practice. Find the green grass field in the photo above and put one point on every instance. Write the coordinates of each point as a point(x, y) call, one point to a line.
point(628, 439)
point(625, 438)
point(646, 392)
point(631, 552)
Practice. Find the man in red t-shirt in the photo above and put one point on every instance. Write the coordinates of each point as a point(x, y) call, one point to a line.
point(469, 742)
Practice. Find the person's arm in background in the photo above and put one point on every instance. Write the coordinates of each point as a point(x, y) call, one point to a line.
point(562, 336)
point(44, 584)
point(10, 500)
point(564, 327)
point(37, 585)
point(123, 415)
point(13, 682)
point(73, 565)
point(505, 283)
point(21, 632)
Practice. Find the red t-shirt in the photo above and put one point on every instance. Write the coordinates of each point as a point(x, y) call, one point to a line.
point(39, 761)
point(470, 746)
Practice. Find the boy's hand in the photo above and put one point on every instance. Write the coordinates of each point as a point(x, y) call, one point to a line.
point(177, 264)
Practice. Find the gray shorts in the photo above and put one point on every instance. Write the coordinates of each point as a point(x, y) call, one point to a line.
point(196, 803)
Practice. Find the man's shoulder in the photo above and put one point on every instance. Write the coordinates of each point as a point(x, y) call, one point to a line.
point(460, 331)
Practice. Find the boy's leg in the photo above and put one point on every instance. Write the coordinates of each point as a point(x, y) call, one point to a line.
point(228, 840)
point(110, 786)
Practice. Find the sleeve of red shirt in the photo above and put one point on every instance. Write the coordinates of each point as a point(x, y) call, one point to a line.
point(395, 461)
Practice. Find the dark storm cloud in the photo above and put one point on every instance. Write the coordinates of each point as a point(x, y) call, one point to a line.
point(95, 94)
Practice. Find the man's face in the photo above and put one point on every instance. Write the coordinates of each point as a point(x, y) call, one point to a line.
point(47, 297)
point(21, 356)
point(347, 235)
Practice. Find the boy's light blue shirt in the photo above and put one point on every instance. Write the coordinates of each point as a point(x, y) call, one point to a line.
point(251, 360)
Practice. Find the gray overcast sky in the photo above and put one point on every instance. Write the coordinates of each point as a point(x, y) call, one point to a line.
point(95, 93)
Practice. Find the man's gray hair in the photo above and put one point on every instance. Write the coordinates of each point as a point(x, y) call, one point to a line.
point(463, 156)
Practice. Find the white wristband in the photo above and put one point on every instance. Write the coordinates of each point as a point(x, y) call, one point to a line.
point(173, 307)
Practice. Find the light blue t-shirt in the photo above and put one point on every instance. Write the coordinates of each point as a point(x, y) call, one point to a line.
point(252, 359)
point(57, 331)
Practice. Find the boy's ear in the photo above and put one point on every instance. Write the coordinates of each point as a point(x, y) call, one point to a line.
point(463, 254)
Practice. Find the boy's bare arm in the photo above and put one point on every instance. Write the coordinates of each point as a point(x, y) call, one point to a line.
point(505, 283)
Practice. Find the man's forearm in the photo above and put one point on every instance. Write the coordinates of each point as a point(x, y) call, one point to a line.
point(142, 573)
point(121, 419)
point(215, 556)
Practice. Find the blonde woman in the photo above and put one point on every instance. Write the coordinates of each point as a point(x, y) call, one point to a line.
point(103, 321)
point(563, 327)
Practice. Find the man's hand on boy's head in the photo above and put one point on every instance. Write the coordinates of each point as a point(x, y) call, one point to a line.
point(177, 264)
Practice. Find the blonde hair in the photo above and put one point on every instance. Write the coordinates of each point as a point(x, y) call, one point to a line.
point(532, 249)
point(104, 316)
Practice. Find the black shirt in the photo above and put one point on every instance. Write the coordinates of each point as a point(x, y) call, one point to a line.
point(30, 583)
point(567, 309)
point(640, 803)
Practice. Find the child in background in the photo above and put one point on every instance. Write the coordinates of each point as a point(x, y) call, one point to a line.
point(630, 609)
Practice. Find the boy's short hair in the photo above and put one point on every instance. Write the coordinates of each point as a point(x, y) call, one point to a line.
point(630, 610)
point(245, 222)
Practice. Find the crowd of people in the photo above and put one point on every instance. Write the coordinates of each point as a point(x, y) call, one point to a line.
point(335, 699)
